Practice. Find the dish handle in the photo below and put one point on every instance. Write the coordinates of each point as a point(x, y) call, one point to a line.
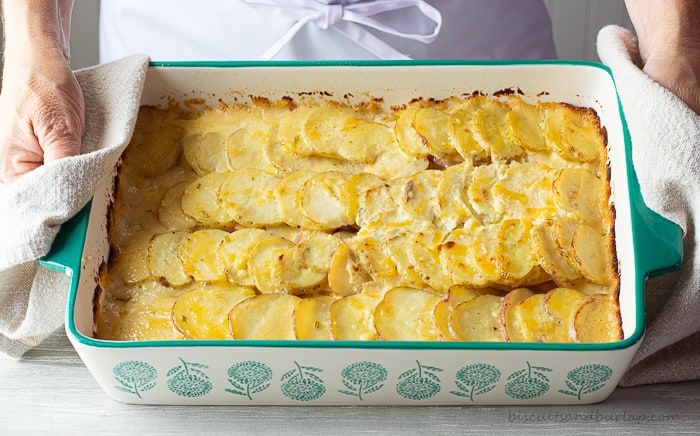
point(67, 248)
point(658, 242)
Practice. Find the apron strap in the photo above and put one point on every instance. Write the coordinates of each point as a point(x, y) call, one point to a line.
point(351, 20)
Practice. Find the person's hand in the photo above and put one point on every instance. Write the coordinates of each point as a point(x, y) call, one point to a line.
point(669, 44)
point(42, 114)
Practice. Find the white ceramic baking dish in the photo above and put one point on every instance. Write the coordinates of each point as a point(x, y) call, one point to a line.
point(361, 373)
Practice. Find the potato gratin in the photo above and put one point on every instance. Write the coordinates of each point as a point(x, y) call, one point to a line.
point(477, 218)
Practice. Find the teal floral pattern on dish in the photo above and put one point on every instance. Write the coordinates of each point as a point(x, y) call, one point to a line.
point(188, 380)
point(135, 377)
point(586, 379)
point(419, 383)
point(528, 383)
point(363, 378)
point(476, 379)
point(302, 383)
point(248, 378)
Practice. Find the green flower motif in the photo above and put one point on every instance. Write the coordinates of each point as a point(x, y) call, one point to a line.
point(188, 380)
point(477, 379)
point(249, 378)
point(302, 384)
point(528, 383)
point(586, 379)
point(419, 383)
point(135, 377)
point(362, 378)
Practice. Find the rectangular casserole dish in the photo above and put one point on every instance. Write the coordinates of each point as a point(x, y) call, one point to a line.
point(373, 372)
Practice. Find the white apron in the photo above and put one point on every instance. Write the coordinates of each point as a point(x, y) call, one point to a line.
point(185, 30)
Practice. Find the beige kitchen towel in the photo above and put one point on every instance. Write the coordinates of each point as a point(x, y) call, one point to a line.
point(665, 136)
point(32, 209)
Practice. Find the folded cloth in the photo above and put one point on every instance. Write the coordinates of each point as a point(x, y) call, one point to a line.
point(665, 136)
point(33, 299)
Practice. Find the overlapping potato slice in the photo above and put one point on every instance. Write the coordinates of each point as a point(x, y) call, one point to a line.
point(578, 190)
point(537, 323)
point(406, 136)
point(574, 133)
point(304, 267)
point(290, 131)
point(563, 305)
point(370, 252)
point(170, 212)
point(417, 196)
point(346, 275)
point(491, 130)
point(199, 256)
point(356, 187)
point(461, 134)
point(514, 256)
point(233, 253)
point(525, 125)
point(206, 152)
point(479, 192)
point(287, 192)
point(249, 196)
point(593, 252)
point(455, 295)
point(477, 319)
point(512, 327)
point(451, 195)
point(524, 191)
point(352, 317)
point(324, 200)
point(422, 250)
point(264, 263)
point(244, 147)
point(406, 314)
point(149, 322)
point(312, 317)
point(202, 313)
point(457, 258)
point(130, 262)
point(432, 126)
point(598, 320)
point(378, 206)
point(549, 255)
point(265, 316)
point(154, 152)
point(200, 201)
point(163, 262)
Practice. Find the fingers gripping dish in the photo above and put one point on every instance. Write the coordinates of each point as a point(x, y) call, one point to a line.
point(475, 218)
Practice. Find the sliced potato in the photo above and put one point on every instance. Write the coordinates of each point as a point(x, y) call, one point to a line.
point(325, 201)
point(200, 201)
point(512, 327)
point(477, 319)
point(418, 198)
point(443, 309)
point(453, 209)
point(265, 263)
point(432, 126)
point(406, 314)
point(153, 153)
point(598, 320)
point(288, 194)
point(202, 313)
point(394, 163)
point(249, 196)
point(312, 318)
point(491, 130)
point(515, 257)
point(234, 252)
point(150, 321)
point(345, 274)
point(131, 261)
point(525, 191)
point(338, 132)
point(537, 323)
point(265, 316)
point(424, 256)
point(549, 255)
point(206, 153)
point(352, 317)
point(244, 147)
point(574, 133)
point(163, 262)
point(461, 133)
point(366, 141)
point(356, 187)
point(290, 131)
point(371, 254)
point(304, 267)
point(580, 191)
point(525, 125)
point(593, 252)
point(408, 139)
point(170, 212)
point(378, 205)
point(199, 256)
point(457, 260)
point(563, 305)
point(480, 195)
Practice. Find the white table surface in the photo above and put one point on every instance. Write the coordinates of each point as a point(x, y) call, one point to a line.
point(50, 391)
